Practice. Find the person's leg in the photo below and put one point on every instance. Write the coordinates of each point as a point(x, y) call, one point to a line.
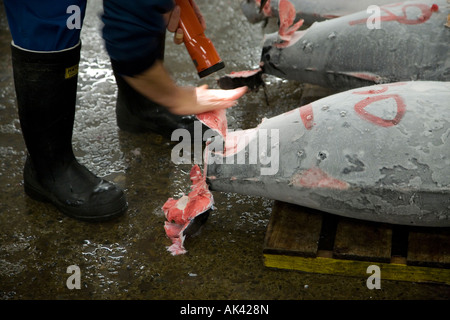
point(45, 25)
point(45, 67)
point(137, 114)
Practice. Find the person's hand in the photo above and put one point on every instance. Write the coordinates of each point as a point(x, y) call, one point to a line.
point(173, 21)
point(198, 100)
point(156, 84)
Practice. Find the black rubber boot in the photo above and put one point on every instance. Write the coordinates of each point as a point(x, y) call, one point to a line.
point(46, 87)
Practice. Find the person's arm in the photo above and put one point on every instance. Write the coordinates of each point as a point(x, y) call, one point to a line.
point(156, 84)
point(133, 33)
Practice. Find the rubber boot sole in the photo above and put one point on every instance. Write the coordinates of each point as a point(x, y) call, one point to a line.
point(40, 196)
point(38, 193)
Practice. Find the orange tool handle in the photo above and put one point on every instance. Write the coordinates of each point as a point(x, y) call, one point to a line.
point(200, 48)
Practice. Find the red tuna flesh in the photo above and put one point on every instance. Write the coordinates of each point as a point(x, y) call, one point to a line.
point(287, 16)
point(215, 120)
point(180, 212)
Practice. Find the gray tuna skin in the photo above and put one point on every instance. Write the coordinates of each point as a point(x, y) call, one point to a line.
point(380, 153)
point(311, 10)
point(343, 54)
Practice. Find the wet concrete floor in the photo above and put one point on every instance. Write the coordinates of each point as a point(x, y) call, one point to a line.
point(127, 258)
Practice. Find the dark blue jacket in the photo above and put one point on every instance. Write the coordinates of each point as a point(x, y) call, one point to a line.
point(133, 30)
point(134, 33)
point(41, 25)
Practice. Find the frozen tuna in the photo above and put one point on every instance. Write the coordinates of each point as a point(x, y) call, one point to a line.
point(379, 153)
point(411, 42)
point(308, 10)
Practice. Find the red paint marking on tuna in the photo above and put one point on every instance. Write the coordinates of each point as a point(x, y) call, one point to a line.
point(180, 212)
point(307, 116)
point(401, 109)
point(426, 12)
point(384, 89)
point(317, 178)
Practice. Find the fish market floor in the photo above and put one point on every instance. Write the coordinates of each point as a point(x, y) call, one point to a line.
point(127, 258)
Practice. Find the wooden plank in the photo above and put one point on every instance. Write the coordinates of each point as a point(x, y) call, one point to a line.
point(293, 229)
point(429, 247)
point(399, 247)
point(388, 271)
point(308, 240)
point(327, 235)
point(362, 240)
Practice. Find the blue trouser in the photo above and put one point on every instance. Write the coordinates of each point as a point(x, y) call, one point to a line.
point(133, 30)
point(45, 25)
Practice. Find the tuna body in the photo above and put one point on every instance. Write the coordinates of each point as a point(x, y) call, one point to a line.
point(308, 10)
point(410, 43)
point(379, 153)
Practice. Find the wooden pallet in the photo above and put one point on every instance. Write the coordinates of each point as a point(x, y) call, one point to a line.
point(307, 240)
